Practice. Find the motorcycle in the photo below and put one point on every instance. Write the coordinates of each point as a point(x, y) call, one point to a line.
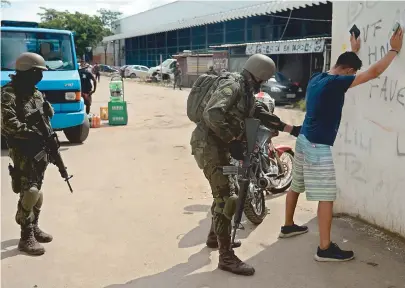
point(281, 154)
point(269, 172)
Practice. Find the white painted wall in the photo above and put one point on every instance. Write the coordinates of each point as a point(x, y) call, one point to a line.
point(370, 148)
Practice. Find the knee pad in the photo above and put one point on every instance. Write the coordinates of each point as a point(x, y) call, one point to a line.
point(230, 206)
point(226, 206)
point(30, 198)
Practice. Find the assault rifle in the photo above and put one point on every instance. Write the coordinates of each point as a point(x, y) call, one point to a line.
point(243, 173)
point(51, 142)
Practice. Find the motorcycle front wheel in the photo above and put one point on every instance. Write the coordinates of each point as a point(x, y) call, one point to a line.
point(255, 206)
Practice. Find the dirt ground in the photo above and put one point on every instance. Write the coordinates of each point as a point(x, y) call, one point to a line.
point(139, 216)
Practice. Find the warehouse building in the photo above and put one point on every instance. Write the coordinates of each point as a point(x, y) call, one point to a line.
point(236, 29)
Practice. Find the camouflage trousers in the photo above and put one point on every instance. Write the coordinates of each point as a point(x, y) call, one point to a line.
point(211, 155)
point(177, 81)
point(26, 180)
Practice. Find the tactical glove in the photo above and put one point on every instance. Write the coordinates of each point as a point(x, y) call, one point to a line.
point(236, 149)
point(295, 131)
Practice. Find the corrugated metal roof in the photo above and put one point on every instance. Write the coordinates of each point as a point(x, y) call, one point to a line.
point(177, 10)
point(268, 42)
point(255, 10)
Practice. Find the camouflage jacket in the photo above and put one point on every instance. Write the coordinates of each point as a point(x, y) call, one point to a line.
point(177, 72)
point(14, 111)
point(230, 105)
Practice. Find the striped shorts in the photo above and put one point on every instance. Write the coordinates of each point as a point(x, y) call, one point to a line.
point(314, 171)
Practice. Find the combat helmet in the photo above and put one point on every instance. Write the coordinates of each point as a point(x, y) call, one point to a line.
point(28, 60)
point(260, 66)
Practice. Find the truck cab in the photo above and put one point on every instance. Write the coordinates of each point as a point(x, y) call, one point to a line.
point(167, 69)
point(60, 84)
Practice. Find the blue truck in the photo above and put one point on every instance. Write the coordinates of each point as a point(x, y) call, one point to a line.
point(60, 84)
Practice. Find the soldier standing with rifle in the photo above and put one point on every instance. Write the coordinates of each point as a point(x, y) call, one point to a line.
point(219, 133)
point(177, 76)
point(31, 147)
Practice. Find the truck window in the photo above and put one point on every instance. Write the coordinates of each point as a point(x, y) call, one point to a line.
point(55, 48)
point(173, 64)
point(167, 62)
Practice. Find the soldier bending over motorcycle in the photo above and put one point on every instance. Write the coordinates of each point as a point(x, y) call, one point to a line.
point(219, 135)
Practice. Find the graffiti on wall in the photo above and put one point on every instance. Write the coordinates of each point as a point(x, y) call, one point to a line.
point(385, 88)
point(357, 145)
point(220, 61)
point(288, 47)
point(370, 149)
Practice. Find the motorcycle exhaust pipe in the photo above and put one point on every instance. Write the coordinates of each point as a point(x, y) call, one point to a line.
point(264, 183)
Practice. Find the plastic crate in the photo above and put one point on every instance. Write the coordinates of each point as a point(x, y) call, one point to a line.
point(117, 113)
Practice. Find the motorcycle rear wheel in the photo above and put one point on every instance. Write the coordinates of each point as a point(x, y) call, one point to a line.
point(255, 207)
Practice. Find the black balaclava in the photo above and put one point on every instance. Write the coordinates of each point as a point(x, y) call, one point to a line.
point(26, 80)
point(251, 83)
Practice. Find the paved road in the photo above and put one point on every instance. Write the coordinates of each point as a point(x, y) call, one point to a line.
point(138, 217)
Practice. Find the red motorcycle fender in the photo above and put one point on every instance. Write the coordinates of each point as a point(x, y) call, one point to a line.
point(281, 149)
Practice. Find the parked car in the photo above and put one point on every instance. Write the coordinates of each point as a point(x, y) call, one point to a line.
point(107, 68)
point(122, 70)
point(282, 89)
point(136, 71)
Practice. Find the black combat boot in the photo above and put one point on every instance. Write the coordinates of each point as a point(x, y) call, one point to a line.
point(228, 261)
point(212, 239)
point(28, 243)
point(40, 235)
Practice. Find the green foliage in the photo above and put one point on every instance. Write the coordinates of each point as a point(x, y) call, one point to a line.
point(108, 17)
point(89, 30)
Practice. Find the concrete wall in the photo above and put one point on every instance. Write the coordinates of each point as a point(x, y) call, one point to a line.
point(99, 55)
point(370, 148)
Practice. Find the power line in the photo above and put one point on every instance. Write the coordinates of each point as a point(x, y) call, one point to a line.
point(286, 24)
point(302, 19)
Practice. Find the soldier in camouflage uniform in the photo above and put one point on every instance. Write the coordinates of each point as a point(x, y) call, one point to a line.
point(219, 136)
point(19, 98)
point(177, 76)
point(211, 71)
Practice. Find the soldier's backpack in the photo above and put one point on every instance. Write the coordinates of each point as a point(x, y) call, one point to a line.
point(200, 94)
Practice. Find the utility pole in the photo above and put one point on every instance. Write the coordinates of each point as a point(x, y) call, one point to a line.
point(114, 51)
point(105, 52)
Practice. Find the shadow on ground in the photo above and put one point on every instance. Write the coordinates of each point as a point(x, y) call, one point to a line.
point(198, 235)
point(68, 144)
point(6, 252)
point(288, 263)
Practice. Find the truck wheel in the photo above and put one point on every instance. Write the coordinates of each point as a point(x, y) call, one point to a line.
point(78, 134)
